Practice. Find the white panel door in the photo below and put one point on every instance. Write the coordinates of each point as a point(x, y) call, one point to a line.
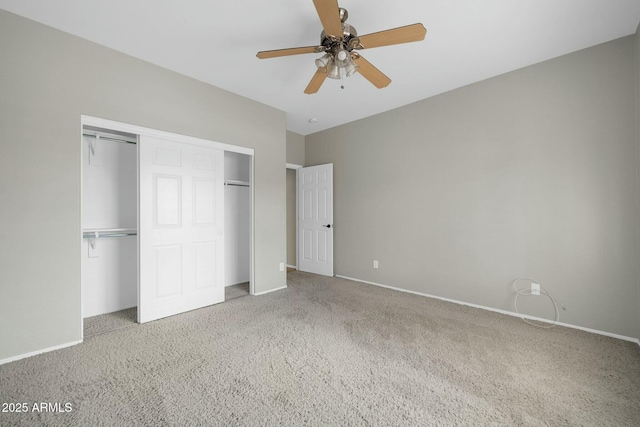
point(181, 230)
point(315, 219)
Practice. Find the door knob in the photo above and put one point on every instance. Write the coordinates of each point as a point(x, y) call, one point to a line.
point(327, 225)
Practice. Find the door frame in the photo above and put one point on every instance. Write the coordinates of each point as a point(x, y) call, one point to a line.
point(86, 120)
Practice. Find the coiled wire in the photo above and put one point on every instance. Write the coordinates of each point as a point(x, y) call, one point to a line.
point(543, 291)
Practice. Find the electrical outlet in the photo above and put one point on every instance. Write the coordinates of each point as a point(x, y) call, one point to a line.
point(282, 266)
point(375, 263)
point(535, 289)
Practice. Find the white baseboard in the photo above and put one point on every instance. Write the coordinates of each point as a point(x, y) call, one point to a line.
point(497, 310)
point(292, 266)
point(35, 353)
point(269, 291)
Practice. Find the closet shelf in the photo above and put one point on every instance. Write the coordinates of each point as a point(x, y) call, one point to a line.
point(96, 233)
point(109, 138)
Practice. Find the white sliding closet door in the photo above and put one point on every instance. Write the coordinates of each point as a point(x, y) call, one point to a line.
point(181, 227)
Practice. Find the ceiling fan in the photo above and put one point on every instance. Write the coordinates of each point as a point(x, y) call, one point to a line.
point(339, 42)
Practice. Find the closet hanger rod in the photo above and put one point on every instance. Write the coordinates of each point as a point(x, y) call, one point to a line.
point(108, 138)
point(236, 183)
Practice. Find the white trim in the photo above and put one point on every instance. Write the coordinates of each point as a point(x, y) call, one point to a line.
point(252, 231)
point(139, 130)
point(35, 353)
point(292, 266)
point(269, 291)
point(497, 310)
point(293, 166)
point(297, 242)
point(80, 197)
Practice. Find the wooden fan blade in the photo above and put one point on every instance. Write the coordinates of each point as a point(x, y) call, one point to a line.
point(409, 33)
point(329, 14)
point(287, 52)
point(316, 82)
point(371, 73)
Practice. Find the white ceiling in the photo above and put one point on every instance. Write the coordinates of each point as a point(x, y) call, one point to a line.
point(216, 42)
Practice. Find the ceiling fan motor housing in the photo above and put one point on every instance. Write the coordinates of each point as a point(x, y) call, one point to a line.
point(348, 41)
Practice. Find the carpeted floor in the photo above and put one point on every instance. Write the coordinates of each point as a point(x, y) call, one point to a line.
point(109, 322)
point(236, 291)
point(328, 351)
point(104, 323)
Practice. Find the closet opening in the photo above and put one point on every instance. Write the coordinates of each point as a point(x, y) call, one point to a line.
point(167, 224)
point(237, 222)
point(109, 229)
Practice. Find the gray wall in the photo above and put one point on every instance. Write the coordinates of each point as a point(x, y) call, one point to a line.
point(295, 155)
point(47, 80)
point(295, 148)
point(291, 217)
point(529, 174)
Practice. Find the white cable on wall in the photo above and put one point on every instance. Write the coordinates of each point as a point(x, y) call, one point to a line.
point(543, 291)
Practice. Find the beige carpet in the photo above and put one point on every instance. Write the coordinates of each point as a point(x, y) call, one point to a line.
point(332, 352)
point(236, 291)
point(109, 322)
point(104, 323)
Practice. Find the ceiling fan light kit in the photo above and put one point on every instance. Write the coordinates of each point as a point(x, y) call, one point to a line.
point(334, 72)
point(324, 63)
point(339, 42)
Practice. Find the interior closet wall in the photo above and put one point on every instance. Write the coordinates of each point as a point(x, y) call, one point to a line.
point(109, 201)
point(237, 217)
